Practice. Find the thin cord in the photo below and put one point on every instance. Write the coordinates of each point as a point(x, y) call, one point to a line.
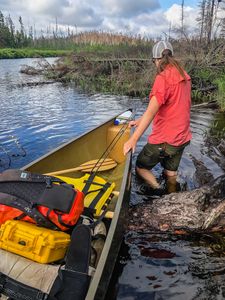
point(111, 145)
point(104, 155)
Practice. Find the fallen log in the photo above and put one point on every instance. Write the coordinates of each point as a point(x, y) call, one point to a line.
point(210, 104)
point(35, 83)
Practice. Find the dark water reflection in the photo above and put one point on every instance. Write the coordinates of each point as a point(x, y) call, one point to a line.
point(36, 119)
point(168, 267)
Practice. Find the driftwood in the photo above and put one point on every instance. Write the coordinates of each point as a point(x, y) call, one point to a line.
point(29, 70)
point(211, 104)
point(207, 89)
point(42, 65)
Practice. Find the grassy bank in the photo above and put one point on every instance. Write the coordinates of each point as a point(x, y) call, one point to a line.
point(127, 69)
point(130, 71)
point(27, 52)
point(92, 50)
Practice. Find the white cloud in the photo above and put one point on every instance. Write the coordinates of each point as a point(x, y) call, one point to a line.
point(49, 7)
point(131, 16)
point(173, 16)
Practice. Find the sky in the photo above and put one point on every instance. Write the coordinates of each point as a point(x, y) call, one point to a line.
point(151, 18)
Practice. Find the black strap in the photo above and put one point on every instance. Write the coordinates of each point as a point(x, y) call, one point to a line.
point(64, 224)
point(19, 291)
point(99, 195)
point(29, 209)
point(17, 175)
point(100, 218)
point(78, 254)
point(72, 282)
point(101, 190)
point(88, 183)
point(34, 213)
point(99, 236)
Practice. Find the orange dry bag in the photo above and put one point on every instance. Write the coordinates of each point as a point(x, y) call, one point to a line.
point(44, 200)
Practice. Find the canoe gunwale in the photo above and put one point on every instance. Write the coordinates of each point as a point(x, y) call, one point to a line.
point(96, 292)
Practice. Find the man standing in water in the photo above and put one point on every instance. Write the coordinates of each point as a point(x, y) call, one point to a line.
point(169, 109)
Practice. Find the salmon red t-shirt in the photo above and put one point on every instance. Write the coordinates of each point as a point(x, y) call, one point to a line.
point(171, 124)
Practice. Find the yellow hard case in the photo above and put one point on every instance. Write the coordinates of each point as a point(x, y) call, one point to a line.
point(36, 243)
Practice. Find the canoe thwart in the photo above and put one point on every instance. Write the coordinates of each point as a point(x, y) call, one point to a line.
point(109, 214)
point(116, 193)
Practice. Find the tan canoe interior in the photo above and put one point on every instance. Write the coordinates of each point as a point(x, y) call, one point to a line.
point(87, 147)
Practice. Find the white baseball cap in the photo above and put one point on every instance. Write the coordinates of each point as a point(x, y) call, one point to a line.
point(159, 47)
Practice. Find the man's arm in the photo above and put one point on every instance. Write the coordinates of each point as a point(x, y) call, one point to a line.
point(145, 121)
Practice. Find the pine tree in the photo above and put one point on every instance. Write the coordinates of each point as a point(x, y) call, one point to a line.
point(11, 28)
point(2, 26)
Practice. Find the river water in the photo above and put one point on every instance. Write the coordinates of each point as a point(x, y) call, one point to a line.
point(36, 119)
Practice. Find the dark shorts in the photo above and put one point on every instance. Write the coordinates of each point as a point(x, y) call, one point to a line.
point(169, 156)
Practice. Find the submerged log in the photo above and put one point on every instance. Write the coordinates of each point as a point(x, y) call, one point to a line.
point(35, 83)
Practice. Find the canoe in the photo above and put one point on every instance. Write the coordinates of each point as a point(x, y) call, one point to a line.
point(86, 147)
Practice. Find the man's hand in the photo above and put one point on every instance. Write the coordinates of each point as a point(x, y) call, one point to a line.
point(134, 123)
point(141, 124)
point(130, 145)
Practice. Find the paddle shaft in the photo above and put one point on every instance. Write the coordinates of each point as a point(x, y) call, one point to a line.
point(98, 165)
point(87, 167)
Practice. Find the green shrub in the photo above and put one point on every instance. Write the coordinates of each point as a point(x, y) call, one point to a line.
point(27, 52)
point(220, 82)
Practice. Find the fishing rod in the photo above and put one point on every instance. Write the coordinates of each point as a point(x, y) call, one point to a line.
point(109, 148)
point(113, 143)
point(105, 154)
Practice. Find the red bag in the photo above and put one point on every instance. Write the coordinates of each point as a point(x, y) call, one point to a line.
point(44, 200)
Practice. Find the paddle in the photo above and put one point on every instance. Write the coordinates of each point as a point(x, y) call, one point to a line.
point(89, 166)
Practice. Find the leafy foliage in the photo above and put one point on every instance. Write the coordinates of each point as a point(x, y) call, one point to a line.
point(220, 82)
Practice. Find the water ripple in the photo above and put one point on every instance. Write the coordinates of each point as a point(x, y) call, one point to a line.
point(42, 117)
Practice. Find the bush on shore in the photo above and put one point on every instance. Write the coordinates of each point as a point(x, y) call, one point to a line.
point(26, 53)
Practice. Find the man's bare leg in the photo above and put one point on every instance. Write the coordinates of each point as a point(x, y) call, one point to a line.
point(171, 181)
point(148, 177)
